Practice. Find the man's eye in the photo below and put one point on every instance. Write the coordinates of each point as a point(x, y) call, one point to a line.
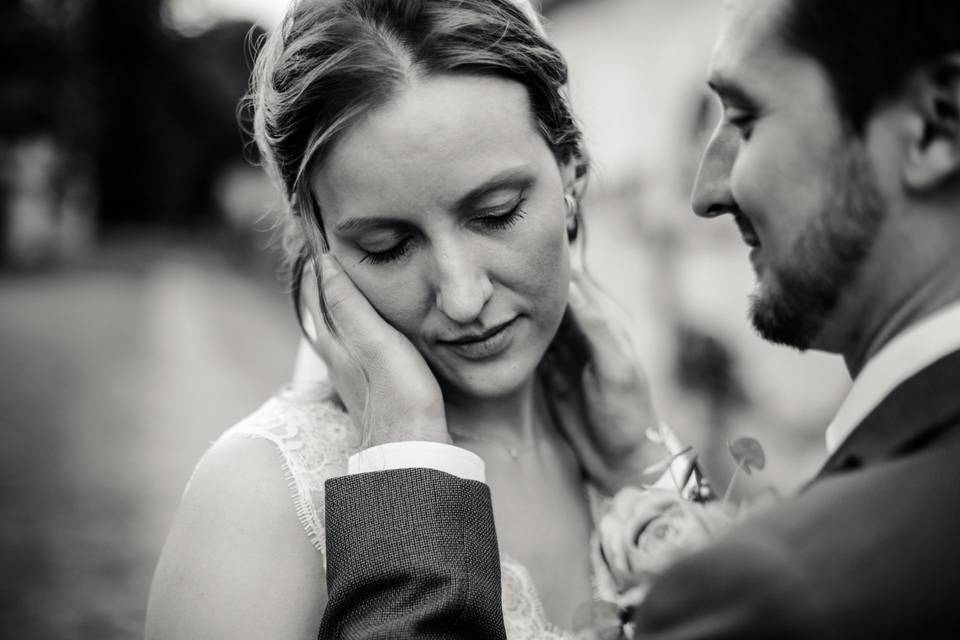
point(386, 256)
point(743, 121)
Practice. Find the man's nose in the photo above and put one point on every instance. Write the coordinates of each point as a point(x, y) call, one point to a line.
point(711, 192)
point(463, 286)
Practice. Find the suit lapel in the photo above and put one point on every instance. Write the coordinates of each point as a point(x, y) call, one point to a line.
point(916, 411)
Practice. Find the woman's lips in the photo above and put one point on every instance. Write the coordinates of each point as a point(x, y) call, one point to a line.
point(483, 345)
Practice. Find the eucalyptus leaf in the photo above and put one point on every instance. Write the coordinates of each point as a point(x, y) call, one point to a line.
point(748, 454)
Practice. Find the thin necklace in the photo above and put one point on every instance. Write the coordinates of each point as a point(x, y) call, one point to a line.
point(513, 450)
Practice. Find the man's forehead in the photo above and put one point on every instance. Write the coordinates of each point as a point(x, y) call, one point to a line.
point(749, 33)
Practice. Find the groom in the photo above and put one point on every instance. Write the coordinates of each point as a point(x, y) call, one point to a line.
point(838, 157)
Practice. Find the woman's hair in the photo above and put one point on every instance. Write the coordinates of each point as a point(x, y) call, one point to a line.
point(332, 61)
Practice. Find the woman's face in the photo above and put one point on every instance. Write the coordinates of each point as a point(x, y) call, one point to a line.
point(445, 207)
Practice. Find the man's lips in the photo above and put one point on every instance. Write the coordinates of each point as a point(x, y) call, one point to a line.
point(747, 232)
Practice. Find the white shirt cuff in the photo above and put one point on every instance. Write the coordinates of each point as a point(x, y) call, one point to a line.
point(419, 455)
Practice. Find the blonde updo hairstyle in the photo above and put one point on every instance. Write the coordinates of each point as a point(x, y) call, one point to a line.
point(331, 61)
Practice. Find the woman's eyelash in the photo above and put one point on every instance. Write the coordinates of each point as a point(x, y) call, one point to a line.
point(390, 255)
point(504, 220)
point(490, 221)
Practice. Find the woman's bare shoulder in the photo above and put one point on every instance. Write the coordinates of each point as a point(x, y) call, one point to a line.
point(237, 563)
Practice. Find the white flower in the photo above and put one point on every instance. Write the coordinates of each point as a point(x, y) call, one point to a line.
point(646, 530)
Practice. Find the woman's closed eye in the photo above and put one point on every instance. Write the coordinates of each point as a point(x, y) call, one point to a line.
point(501, 218)
point(391, 253)
point(394, 249)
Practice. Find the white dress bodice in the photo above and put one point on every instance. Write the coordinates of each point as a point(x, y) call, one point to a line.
point(315, 438)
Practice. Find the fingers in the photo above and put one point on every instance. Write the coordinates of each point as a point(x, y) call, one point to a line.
point(401, 399)
point(603, 331)
point(314, 325)
point(335, 365)
point(355, 322)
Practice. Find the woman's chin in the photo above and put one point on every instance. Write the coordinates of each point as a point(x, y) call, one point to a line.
point(485, 381)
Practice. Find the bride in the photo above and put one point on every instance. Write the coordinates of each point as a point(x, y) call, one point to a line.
point(428, 147)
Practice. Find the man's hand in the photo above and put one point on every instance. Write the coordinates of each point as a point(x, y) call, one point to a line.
point(381, 378)
point(599, 391)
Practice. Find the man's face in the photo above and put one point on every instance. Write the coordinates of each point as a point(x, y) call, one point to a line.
point(797, 182)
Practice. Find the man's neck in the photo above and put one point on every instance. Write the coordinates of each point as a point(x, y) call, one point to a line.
point(940, 288)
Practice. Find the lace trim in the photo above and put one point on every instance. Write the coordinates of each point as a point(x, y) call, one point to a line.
point(314, 438)
point(524, 617)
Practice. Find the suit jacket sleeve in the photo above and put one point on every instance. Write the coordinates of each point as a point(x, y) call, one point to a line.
point(411, 553)
point(740, 589)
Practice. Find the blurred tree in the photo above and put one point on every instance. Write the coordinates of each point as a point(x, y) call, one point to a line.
point(707, 368)
point(146, 112)
point(167, 104)
point(28, 92)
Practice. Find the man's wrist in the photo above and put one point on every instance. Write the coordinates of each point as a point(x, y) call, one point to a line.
point(418, 454)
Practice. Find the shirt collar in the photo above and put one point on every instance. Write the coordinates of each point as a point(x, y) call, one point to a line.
point(915, 348)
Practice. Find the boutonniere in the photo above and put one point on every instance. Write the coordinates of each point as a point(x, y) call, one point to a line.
point(647, 528)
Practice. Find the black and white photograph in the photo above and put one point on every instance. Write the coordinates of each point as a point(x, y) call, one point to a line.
point(479, 319)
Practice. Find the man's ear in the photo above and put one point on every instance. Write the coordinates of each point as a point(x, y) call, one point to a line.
point(574, 176)
point(934, 154)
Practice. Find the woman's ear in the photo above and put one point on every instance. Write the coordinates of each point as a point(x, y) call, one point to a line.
point(934, 154)
point(573, 173)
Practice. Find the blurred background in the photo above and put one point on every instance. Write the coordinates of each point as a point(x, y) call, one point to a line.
point(142, 310)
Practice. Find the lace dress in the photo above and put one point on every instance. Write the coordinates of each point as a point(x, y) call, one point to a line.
point(315, 438)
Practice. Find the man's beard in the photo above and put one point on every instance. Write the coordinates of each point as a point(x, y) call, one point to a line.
point(825, 258)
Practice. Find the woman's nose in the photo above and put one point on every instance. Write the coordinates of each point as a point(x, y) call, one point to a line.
point(463, 286)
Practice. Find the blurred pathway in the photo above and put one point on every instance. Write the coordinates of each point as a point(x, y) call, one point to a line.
point(114, 380)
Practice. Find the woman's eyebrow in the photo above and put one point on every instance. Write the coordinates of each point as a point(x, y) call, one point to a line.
point(358, 224)
point(517, 178)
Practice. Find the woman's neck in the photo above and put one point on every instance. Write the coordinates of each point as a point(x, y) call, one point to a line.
point(512, 419)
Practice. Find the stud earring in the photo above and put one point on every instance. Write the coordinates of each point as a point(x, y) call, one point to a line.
point(573, 216)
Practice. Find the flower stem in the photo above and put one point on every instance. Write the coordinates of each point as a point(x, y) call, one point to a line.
point(733, 479)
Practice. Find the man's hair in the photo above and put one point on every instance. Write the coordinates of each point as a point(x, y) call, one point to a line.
point(870, 48)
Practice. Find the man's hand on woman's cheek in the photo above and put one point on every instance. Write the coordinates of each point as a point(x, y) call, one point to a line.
point(599, 391)
point(378, 374)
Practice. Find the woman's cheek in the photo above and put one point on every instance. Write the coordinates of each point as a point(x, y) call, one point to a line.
point(398, 297)
point(548, 257)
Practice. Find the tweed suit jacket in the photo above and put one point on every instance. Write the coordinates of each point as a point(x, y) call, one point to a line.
point(411, 554)
point(868, 550)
